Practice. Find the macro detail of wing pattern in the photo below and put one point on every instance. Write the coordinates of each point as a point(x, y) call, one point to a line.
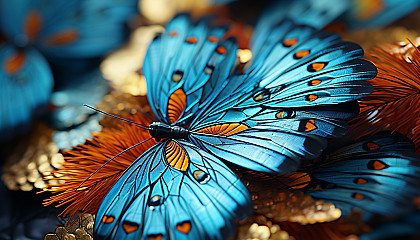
point(176, 156)
point(298, 92)
point(176, 105)
point(376, 174)
point(155, 201)
point(186, 57)
point(224, 129)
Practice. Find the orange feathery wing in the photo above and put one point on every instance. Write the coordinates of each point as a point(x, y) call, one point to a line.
point(395, 102)
point(85, 159)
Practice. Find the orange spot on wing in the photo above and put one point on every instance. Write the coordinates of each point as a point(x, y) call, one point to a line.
point(373, 146)
point(360, 181)
point(212, 39)
point(315, 67)
point(290, 42)
point(176, 156)
point(302, 54)
point(173, 33)
point(155, 237)
point(358, 196)
point(108, 219)
point(310, 125)
point(33, 24)
point(191, 39)
point(130, 227)
point(225, 129)
point(368, 9)
point(63, 38)
point(184, 227)
point(314, 82)
point(378, 165)
point(311, 97)
point(221, 50)
point(14, 62)
point(176, 105)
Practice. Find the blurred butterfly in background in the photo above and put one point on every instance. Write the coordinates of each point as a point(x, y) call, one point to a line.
point(297, 93)
point(377, 174)
point(43, 37)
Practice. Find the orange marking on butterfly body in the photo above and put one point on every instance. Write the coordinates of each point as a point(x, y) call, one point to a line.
point(311, 97)
point(129, 228)
point(108, 219)
point(302, 53)
point(33, 24)
point(184, 227)
point(310, 125)
point(191, 39)
point(63, 38)
point(373, 146)
point(14, 62)
point(221, 50)
point(290, 42)
point(358, 196)
point(176, 105)
point(314, 82)
point(176, 156)
point(225, 129)
point(212, 39)
point(360, 181)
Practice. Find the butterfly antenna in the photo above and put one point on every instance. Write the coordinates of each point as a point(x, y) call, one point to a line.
point(147, 115)
point(125, 150)
point(120, 118)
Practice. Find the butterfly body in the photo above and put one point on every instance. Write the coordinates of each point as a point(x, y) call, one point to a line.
point(159, 130)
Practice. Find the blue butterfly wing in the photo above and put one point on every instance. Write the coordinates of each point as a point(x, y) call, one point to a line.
point(67, 29)
point(286, 100)
point(378, 175)
point(154, 199)
point(26, 84)
point(378, 14)
point(185, 57)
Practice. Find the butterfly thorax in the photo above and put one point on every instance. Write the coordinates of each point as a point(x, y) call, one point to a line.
point(159, 130)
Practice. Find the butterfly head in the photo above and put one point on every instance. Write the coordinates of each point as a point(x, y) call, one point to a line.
point(159, 130)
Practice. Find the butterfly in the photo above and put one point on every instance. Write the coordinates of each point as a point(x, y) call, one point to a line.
point(44, 36)
point(377, 174)
point(63, 29)
point(26, 84)
point(297, 93)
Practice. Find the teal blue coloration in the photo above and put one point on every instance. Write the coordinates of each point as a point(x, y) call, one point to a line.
point(383, 168)
point(22, 92)
point(100, 25)
point(288, 102)
point(209, 206)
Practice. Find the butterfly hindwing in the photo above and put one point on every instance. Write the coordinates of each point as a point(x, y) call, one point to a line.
point(375, 174)
point(285, 101)
point(173, 191)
